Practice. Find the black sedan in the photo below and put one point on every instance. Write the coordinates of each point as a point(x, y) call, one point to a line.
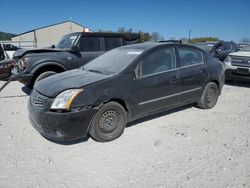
point(122, 85)
point(218, 49)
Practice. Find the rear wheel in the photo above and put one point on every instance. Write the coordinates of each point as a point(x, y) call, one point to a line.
point(209, 96)
point(44, 75)
point(109, 122)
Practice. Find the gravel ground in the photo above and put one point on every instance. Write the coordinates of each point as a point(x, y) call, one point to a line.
point(188, 147)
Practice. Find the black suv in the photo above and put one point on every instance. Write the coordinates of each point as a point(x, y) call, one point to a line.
point(122, 85)
point(72, 51)
point(218, 49)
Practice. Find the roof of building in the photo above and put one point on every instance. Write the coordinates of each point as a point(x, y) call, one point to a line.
point(51, 26)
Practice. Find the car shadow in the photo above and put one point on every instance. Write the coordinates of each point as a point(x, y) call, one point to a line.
point(159, 114)
point(238, 83)
point(26, 90)
point(78, 141)
point(130, 124)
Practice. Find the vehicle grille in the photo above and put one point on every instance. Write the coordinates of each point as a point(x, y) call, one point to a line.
point(241, 61)
point(37, 99)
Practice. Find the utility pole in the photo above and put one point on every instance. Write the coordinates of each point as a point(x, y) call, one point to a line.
point(189, 36)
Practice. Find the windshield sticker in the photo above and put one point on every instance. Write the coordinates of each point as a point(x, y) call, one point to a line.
point(134, 52)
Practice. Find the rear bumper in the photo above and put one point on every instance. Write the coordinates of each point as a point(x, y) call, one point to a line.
point(5, 72)
point(56, 126)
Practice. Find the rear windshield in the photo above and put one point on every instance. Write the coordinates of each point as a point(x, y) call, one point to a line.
point(114, 61)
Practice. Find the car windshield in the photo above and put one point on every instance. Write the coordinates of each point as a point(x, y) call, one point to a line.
point(247, 49)
point(114, 61)
point(205, 46)
point(67, 41)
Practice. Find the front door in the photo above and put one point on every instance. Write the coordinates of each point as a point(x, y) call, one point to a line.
point(159, 84)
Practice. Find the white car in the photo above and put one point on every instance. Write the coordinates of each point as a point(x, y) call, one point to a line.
point(237, 65)
point(3, 53)
point(10, 49)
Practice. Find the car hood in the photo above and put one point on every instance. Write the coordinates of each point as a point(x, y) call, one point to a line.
point(21, 52)
point(77, 78)
point(241, 53)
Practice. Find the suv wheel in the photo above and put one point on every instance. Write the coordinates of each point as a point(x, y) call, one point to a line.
point(108, 123)
point(44, 75)
point(209, 96)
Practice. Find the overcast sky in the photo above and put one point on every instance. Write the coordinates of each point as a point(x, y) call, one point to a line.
point(225, 19)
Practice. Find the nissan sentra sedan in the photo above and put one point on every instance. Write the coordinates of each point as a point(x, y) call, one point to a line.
point(122, 85)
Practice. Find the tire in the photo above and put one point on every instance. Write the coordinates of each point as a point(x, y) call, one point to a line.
point(209, 96)
point(44, 75)
point(108, 123)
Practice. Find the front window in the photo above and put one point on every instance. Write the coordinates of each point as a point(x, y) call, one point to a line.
point(114, 61)
point(67, 41)
point(159, 61)
point(90, 44)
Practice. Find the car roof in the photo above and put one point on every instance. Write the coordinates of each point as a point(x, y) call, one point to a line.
point(106, 34)
point(150, 45)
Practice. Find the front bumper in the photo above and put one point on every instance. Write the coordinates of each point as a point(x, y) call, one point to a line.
point(5, 72)
point(57, 126)
point(26, 79)
point(238, 73)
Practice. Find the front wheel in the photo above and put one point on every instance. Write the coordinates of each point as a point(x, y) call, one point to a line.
point(209, 96)
point(109, 122)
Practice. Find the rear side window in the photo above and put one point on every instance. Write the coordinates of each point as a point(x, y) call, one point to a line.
point(112, 42)
point(90, 44)
point(190, 56)
point(159, 61)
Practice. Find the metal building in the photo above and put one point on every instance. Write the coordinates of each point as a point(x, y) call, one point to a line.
point(48, 35)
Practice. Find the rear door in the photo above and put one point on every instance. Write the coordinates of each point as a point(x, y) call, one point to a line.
point(89, 48)
point(193, 73)
point(159, 84)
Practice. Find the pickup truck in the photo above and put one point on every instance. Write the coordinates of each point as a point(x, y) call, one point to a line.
point(73, 51)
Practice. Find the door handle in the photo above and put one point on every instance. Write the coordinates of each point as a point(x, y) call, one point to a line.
point(173, 79)
point(203, 71)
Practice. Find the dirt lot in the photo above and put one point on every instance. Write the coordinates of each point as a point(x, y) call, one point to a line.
point(188, 147)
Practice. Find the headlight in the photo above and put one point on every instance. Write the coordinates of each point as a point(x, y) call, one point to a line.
point(22, 63)
point(64, 99)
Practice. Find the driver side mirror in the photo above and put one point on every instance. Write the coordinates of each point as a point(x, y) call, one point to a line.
point(52, 46)
point(74, 48)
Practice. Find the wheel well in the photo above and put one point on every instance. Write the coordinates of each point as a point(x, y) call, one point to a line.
point(121, 102)
point(47, 68)
point(217, 83)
